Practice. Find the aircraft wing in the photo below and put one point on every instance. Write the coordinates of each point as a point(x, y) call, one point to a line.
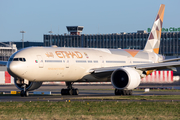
point(169, 60)
point(107, 71)
point(157, 66)
point(3, 62)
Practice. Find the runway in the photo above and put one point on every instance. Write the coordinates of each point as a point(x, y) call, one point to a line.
point(86, 93)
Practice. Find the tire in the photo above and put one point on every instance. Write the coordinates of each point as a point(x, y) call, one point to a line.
point(130, 92)
point(70, 91)
point(116, 92)
point(120, 92)
point(62, 91)
point(75, 91)
point(127, 92)
point(22, 93)
point(124, 92)
point(26, 93)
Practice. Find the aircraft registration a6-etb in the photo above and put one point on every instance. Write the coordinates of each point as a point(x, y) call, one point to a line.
point(123, 67)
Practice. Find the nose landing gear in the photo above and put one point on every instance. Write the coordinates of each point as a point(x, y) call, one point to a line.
point(24, 92)
point(70, 90)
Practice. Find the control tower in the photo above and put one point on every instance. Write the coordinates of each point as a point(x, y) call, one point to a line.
point(75, 30)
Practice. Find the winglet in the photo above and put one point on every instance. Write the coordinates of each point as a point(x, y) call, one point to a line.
point(154, 38)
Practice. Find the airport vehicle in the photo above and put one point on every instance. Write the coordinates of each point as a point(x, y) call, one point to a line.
point(123, 67)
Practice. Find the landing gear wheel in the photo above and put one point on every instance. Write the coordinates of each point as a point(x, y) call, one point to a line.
point(130, 92)
point(75, 91)
point(24, 93)
point(62, 91)
point(127, 92)
point(122, 92)
point(70, 90)
point(117, 92)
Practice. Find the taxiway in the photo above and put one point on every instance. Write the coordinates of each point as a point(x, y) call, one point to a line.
point(86, 93)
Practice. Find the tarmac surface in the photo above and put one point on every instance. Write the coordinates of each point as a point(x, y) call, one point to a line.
point(86, 93)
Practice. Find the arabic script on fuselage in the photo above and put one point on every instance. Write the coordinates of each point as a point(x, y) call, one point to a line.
point(49, 54)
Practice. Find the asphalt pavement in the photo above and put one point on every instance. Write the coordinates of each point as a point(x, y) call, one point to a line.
point(86, 93)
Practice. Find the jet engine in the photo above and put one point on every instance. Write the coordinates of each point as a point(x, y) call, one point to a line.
point(31, 86)
point(125, 78)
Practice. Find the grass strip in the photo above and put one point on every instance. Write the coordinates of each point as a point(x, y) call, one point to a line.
point(89, 110)
point(141, 97)
point(133, 97)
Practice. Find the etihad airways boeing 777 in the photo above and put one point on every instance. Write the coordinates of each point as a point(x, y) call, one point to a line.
point(123, 67)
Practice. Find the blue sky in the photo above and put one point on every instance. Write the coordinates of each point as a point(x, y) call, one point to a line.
point(37, 17)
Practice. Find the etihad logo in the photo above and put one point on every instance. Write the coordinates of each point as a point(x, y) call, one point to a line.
point(49, 54)
point(69, 54)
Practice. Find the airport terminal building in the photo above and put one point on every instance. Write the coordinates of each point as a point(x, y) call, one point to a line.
point(170, 41)
point(6, 50)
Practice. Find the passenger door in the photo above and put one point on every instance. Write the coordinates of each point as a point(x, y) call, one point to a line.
point(101, 61)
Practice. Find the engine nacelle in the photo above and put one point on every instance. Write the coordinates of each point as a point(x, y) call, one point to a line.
point(125, 78)
point(29, 87)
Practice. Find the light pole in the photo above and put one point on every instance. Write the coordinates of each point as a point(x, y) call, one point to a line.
point(50, 37)
point(22, 38)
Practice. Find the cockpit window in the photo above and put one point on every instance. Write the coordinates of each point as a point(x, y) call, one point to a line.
point(24, 59)
point(15, 59)
point(19, 59)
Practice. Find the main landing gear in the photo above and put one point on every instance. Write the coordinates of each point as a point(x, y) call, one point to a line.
point(24, 93)
point(123, 92)
point(70, 90)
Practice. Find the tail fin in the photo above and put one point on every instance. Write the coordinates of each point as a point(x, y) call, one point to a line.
point(153, 42)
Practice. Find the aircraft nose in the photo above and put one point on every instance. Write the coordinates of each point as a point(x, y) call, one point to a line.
point(13, 69)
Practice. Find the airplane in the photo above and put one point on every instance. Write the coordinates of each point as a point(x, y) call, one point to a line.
point(124, 68)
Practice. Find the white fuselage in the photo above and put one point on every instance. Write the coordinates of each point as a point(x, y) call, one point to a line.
point(71, 64)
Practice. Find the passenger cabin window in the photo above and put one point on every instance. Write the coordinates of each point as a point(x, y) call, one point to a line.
point(19, 59)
